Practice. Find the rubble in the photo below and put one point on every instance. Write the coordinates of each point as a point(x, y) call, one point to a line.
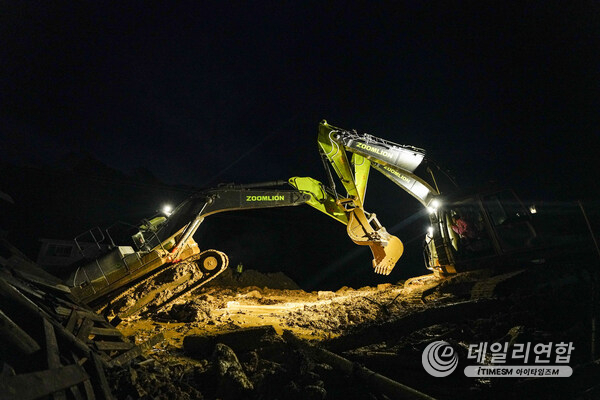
point(58, 346)
point(229, 341)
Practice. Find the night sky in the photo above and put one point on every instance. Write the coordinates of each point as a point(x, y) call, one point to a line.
point(201, 93)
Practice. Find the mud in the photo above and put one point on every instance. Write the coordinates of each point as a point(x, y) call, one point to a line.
point(384, 328)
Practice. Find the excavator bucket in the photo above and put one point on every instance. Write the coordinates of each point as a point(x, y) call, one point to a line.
point(367, 231)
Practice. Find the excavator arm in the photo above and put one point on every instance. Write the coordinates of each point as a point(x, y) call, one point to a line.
point(396, 162)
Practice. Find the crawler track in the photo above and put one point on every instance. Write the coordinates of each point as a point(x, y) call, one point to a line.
point(166, 285)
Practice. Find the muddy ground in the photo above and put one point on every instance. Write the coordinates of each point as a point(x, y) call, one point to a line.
point(384, 328)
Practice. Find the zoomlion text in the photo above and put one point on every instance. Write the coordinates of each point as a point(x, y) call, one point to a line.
point(373, 149)
point(265, 198)
point(396, 173)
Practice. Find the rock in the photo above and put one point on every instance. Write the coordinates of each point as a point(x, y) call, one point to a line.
point(312, 392)
point(325, 295)
point(250, 362)
point(383, 286)
point(240, 340)
point(344, 289)
point(254, 294)
point(206, 297)
point(233, 382)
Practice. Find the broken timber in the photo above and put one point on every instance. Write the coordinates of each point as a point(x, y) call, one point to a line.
point(41, 321)
point(38, 384)
point(380, 383)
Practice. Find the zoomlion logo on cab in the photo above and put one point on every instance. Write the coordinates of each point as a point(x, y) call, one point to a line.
point(372, 149)
point(264, 198)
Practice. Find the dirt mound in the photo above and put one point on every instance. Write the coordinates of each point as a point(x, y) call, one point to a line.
point(277, 280)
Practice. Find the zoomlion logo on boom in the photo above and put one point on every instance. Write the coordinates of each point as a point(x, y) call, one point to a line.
point(264, 198)
point(375, 150)
point(396, 173)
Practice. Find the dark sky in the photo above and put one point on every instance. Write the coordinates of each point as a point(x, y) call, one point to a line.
point(208, 92)
point(204, 92)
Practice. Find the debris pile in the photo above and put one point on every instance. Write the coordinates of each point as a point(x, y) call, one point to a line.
point(229, 341)
point(369, 342)
point(51, 343)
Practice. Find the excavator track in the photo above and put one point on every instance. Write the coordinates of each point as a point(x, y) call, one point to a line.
point(486, 289)
point(168, 284)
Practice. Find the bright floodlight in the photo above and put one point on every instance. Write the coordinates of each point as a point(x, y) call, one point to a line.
point(430, 231)
point(433, 206)
point(167, 209)
point(532, 209)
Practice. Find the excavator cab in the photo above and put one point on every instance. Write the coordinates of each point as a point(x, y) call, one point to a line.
point(489, 226)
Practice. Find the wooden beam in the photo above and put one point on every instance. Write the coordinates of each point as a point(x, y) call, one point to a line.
point(109, 346)
point(53, 355)
point(87, 384)
point(12, 335)
point(37, 384)
point(138, 350)
point(102, 389)
point(105, 332)
point(72, 321)
point(6, 290)
point(84, 329)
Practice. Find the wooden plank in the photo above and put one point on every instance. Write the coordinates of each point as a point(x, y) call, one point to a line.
point(23, 287)
point(84, 330)
point(37, 384)
point(90, 315)
point(6, 290)
point(101, 388)
point(76, 393)
point(138, 350)
point(62, 311)
point(54, 286)
point(53, 355)
point(13, 335)
point(87, 384)
point(108, 346)
point(105, 332)
point(72, 321)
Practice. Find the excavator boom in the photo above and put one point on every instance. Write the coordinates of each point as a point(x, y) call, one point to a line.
point(397, 162)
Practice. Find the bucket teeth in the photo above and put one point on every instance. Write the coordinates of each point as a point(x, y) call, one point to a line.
point(385, 255)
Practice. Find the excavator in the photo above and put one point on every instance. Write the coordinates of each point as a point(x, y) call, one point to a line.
point(467, 231)
point(163, 261)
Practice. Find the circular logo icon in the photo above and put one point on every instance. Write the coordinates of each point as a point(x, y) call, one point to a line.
point(439, 359)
